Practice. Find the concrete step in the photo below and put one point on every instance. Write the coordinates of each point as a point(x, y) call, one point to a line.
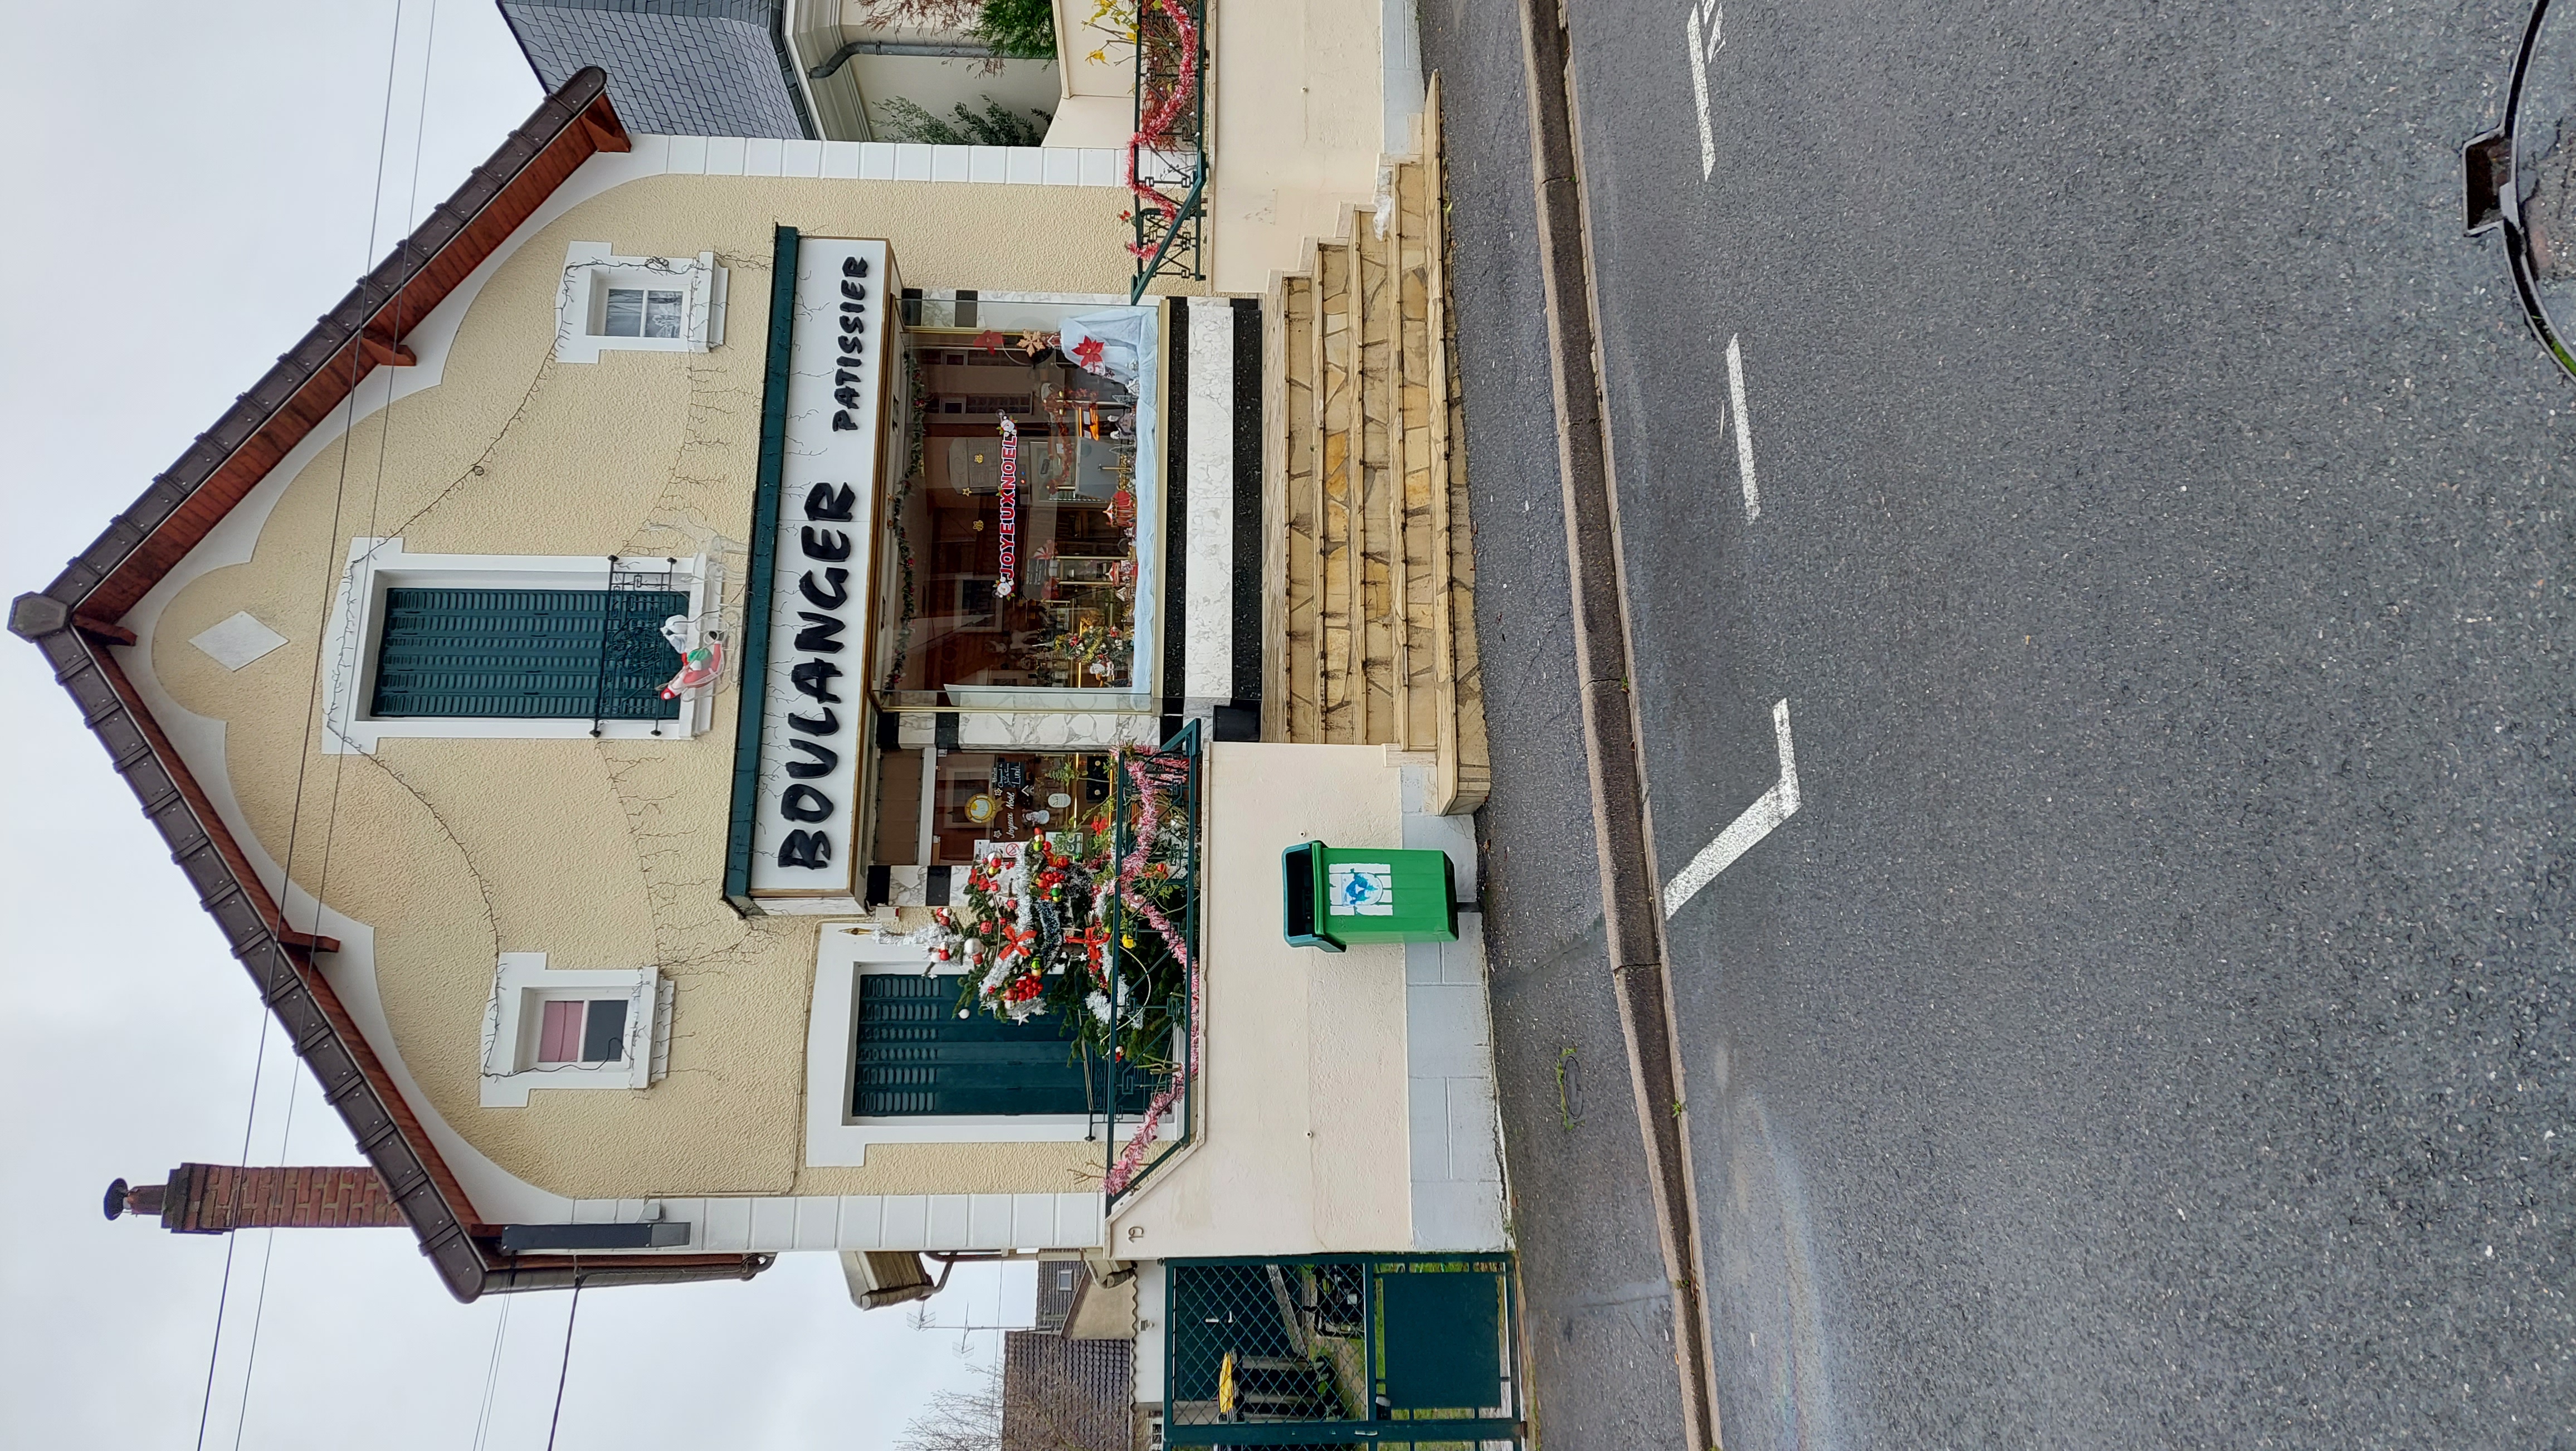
point(1372, 613)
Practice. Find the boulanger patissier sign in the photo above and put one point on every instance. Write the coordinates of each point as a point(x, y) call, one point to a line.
point(816, 687)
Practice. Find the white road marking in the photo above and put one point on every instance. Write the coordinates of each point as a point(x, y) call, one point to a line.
point(1705, 40)
point(1777, 805)
point(1743, 431)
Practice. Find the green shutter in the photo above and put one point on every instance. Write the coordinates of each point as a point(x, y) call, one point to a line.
point(527, 654)
point(917, 1056)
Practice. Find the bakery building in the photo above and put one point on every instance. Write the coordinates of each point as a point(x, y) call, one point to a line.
point(819, 670)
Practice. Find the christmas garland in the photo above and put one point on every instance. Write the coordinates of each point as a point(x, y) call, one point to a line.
point(1035, 935)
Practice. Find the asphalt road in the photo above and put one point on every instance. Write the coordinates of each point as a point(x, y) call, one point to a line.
point(2153, 1027)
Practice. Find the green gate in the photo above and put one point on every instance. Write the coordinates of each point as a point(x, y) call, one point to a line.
point(1336, 1350)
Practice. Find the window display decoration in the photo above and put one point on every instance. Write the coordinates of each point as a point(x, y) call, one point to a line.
point(1010, 510)
point(1034, 938)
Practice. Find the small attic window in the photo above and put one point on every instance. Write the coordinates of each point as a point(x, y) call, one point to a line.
point(636, 312)
point(582, 1030)
point(643, 304)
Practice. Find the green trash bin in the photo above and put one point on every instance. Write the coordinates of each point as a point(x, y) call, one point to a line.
point(1333, 896)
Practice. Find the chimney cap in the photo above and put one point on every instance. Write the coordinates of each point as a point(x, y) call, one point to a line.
point(115, 1205)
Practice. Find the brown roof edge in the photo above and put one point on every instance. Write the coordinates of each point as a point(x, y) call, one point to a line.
point(73, 621)
point(318, 373)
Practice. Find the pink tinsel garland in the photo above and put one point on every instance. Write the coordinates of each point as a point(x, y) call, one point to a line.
point(1151, 781)
point(1156, 127)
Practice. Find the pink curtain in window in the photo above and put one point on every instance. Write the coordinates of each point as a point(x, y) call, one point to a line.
point(559, 1040)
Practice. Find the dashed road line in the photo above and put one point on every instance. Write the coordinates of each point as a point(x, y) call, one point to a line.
point(1743, 431)
point(1776, 806)
point(1706, 22)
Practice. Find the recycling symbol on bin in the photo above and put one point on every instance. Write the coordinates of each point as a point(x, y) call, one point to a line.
point(1362, 889)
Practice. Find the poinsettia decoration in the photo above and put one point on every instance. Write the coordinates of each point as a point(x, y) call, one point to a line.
point(1062, 925)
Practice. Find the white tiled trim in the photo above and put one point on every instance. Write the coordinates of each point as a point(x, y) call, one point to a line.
point(781, 1223)
point(879, 161)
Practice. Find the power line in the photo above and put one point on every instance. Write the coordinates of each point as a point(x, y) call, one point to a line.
point(564, 1373)
point(267, 1257)
point(224, 1294)
point(492, 1375)
point(295, 816)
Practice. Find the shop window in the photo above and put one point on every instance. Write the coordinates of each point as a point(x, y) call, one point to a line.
point(526, 654)
point(981, 798)
point(649, 304)
point(1024, 531)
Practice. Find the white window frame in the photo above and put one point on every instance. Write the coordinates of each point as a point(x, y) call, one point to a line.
point(834, 1137)
point(581, 302)
point(378, 565)
point(522, 985)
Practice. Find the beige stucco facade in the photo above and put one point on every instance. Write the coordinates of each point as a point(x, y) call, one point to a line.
point(600, 854)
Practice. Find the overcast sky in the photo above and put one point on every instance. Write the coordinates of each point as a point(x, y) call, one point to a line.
point(187, 189)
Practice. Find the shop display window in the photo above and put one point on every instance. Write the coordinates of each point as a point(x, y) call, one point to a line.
point(978, 798)
point(1013, 551)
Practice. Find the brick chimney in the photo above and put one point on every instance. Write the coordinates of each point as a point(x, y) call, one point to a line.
point(216, 1198)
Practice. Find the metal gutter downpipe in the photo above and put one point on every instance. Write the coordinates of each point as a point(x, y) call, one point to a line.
point(944, 50)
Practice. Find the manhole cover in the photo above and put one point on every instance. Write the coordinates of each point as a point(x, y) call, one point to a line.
point(2522, 180)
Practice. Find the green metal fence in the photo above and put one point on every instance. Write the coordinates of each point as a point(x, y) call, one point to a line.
point(1339, 1350)
point(1154, 1025)
point(1167, 159)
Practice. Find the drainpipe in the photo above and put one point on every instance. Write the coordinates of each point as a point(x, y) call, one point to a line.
point(945, 50)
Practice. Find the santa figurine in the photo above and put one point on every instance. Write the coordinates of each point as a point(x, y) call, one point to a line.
point(700, 660)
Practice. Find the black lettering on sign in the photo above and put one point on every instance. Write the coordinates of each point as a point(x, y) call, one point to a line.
point(805, 849)
point(822, 633)
point(829, 725)
point(854, 266)
point(841, 423)
point(804, 803)
point(824, 502)
point(854, 308)
point(826, 760)
point(830, 545)
point(814, 678)
point(831, 595)
point(846, 397)
point(853, 291)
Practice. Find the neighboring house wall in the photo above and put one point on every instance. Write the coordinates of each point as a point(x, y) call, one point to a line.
point(603, 855)
point(847, 105)
point(677, 67)
point(1066, 1395)
point(1302, 109)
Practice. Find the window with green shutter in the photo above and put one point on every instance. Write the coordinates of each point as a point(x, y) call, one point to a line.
point(526, 654)
point(918, 1055)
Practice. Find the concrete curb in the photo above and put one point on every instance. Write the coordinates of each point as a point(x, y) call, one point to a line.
point(1632, 918)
